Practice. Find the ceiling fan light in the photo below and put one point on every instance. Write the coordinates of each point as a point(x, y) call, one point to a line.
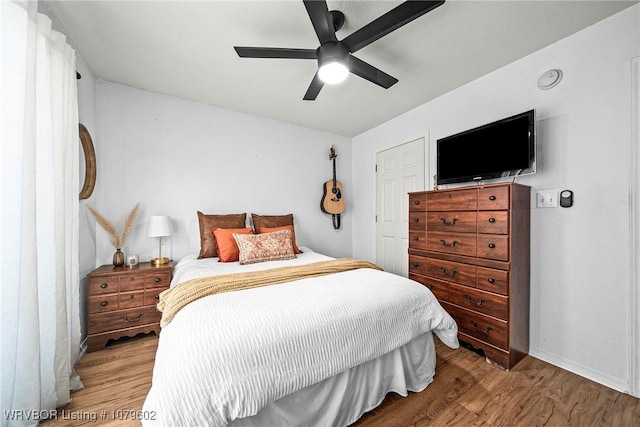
point(333, 72)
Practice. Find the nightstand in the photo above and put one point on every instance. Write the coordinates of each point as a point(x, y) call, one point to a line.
point(122, 301)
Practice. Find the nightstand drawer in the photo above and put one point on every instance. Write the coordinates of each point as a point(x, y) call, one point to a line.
point(123, 319)
point(103, 285)
point(160, 279)
point(131, 282)
point(130, 299)
point(103, 303)
point(151, 296)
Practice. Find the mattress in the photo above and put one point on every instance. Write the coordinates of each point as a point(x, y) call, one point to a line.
point(234, 356)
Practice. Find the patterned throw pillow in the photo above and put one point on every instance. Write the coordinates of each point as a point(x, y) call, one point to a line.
point(264, 247)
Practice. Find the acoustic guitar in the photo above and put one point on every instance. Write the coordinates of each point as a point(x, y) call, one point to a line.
point(332, 200)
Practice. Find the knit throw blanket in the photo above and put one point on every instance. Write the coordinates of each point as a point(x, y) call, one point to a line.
point(173, 299)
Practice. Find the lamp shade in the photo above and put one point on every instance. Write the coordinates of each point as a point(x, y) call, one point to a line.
point(159, 226)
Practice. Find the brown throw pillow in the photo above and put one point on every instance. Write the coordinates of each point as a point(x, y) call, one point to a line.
point(270, 221)
point(207, 223)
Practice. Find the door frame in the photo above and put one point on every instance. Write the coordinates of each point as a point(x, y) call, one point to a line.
point(427, 170)
point(634, 230)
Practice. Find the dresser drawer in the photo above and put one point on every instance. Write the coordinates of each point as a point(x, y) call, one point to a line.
point(418, 240)
point(463, 200)
point(439, 288)
point(417, 221)
point(131, 282)
point(459, 222)
point(130, 299)
point(452, 243)
point(417, 264)
point(484, 328)
point(103, 303)
point(122, 319)
point(463, 274)
point(493, 222)
point(477, 300)
point(417, 201)
point(103, 285)
point(493, 198)
point(493, 280)
point(492, 246)
point(160, 279)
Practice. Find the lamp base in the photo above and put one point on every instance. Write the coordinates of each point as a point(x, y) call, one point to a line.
point(159, 261)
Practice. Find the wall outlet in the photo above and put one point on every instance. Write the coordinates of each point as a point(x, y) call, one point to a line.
point(547, 199)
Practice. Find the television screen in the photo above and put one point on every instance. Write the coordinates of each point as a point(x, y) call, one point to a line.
point(502, 148)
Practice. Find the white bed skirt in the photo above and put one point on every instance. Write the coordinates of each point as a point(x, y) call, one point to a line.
point(342, 399)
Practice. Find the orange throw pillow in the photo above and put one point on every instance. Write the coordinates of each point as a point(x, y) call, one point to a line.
point(227, 247)
point(284, 227)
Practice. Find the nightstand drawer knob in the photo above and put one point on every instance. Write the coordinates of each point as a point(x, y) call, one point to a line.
point(104, 286)
point(492, 197)
point(491, 280)
point(492, 245)
point(492, 220)
point(157, 279)
point(104, 303)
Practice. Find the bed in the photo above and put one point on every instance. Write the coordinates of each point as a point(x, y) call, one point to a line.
point(313, 351)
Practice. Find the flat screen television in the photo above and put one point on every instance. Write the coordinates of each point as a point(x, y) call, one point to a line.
point(503, 148)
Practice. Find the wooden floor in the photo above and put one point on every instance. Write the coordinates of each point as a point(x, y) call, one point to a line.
point(466, 392)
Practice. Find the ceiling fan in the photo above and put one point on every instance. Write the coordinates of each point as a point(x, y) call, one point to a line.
point(335, 59)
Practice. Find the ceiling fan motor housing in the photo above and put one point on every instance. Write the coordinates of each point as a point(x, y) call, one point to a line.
point(332, 52)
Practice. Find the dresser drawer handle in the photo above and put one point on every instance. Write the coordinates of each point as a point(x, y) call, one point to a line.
point(492, 198)
point(445, 222)
point(104, 286)
point(416, 219)
point(471, 301)
point(491, 280)
point(492, 245)
point(415, 238)
point(449, 245)
point(445, 272)
point(416, 202)
point(484, 331)
point(157, 296)
point(157, 279)
point(492, 220)
point(104, 303)
point(416, 265)
point(133, 320)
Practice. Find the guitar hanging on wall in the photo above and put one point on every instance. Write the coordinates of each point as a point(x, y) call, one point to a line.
point(332, 200)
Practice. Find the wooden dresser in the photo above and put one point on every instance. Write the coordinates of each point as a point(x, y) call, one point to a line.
point(470, 246)
point(122, 301)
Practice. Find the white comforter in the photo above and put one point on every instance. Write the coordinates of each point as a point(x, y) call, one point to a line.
point(226, 356)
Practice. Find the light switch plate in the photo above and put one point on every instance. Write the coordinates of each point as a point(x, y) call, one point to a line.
point(547, 199)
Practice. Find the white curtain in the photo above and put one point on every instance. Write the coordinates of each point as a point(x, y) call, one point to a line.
point(39, 215)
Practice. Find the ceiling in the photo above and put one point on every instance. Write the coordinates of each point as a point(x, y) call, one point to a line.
point(185, 49)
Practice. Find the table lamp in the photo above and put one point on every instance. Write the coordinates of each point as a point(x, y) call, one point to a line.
point(159, 226)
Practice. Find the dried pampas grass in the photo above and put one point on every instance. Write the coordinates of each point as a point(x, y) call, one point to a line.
point(117, 240)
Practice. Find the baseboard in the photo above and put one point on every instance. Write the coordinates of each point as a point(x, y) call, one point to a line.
point(584, 371)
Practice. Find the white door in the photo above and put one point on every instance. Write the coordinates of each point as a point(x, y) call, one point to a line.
point(399, 170)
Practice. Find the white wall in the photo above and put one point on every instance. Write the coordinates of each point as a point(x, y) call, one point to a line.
point(176, 157)
point(580, 281)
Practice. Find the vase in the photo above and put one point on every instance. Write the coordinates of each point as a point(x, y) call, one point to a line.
point(118, 258)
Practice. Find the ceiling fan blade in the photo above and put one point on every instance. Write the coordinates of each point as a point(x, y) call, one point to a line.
point(321, 20)
point(314, 88)
point(371, 73)
point(275, 52)
point(390, 21)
